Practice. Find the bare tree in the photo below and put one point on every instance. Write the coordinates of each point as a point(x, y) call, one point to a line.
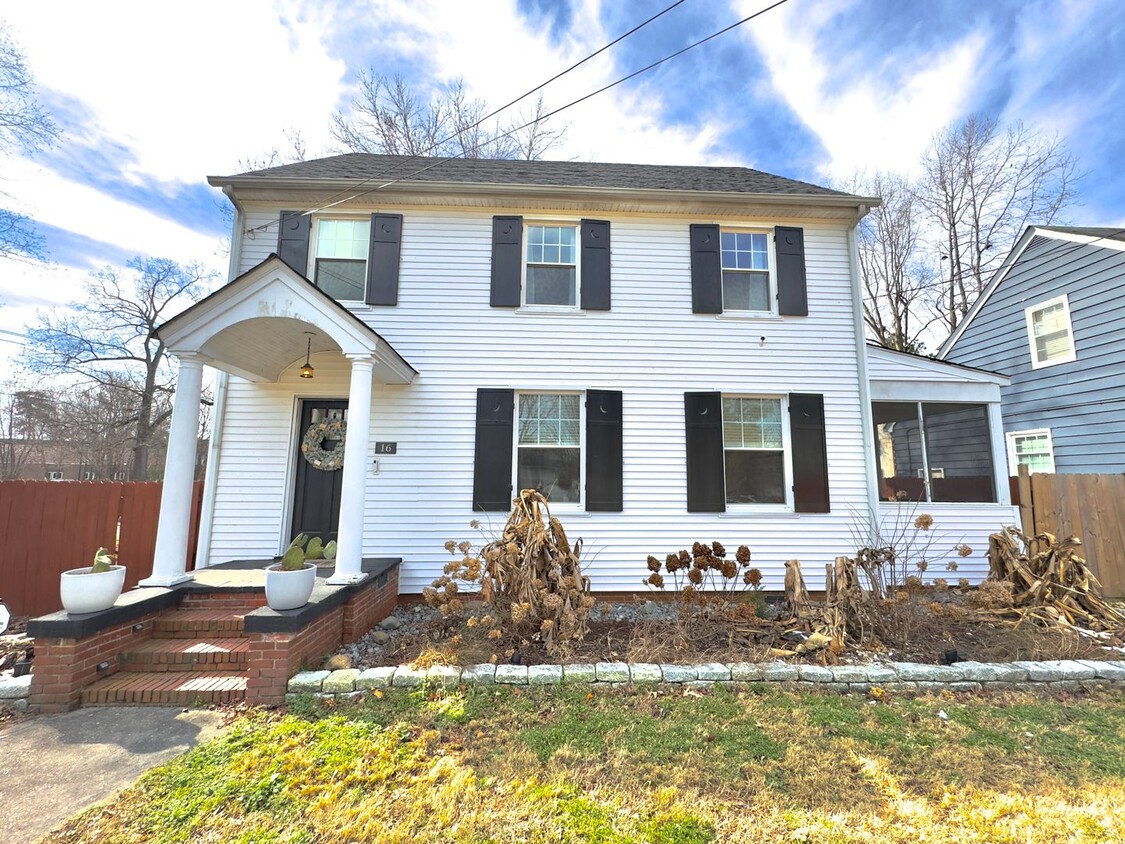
point(899, 292)
point(980, 187)
point(108, 338)
point(26, 127)
point(27, 418)
point(388, 116)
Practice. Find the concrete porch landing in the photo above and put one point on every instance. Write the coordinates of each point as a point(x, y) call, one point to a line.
point(208, 641)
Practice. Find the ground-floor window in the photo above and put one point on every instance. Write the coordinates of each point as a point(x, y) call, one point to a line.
point(549, 445)
point(754, 449)
point(1032, 449)
point(934, 451)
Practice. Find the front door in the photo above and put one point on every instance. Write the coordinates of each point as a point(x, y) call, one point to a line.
point(316, 499)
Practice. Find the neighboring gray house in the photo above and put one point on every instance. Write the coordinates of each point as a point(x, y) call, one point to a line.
point(1052, 320)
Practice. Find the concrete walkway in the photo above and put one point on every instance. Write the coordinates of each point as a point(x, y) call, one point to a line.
point(53, 766)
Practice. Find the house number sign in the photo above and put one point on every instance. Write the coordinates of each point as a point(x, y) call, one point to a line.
point(386, 448)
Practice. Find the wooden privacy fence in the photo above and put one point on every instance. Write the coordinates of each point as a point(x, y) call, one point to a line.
point(47, 527)
point(1091, 507)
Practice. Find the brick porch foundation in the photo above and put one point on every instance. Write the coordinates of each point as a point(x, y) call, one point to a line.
point(196, 644)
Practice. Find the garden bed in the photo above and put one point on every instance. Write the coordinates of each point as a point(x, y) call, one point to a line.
point(932, 627)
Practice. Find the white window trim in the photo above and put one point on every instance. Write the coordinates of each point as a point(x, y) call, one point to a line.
point(561, 506)
point(530, 307)
point(314, 236)
point(1013, 458)
point(1028, 315)
point(54, 475)
point(771, 289)
point(786, 462)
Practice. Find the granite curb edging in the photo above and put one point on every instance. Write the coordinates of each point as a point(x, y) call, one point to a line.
point(1064, 675)
point(14, 692)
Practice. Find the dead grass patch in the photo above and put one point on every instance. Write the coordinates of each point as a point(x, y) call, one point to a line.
point(641, 765)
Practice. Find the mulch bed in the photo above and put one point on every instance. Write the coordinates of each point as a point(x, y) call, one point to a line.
point(933, 627)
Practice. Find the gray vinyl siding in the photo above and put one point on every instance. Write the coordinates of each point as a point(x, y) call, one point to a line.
point(1083, 401)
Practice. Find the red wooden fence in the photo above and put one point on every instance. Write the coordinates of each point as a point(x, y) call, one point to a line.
point(47, 527)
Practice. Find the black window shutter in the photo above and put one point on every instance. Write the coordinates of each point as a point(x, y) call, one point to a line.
point(595, 265)
point(492, 460)
point(293, 240)
point(792, 291)
point(603, 451)
point(706, 270)
point(383, 259)
point(703, 418)
point(810, 453)
point(507, 261)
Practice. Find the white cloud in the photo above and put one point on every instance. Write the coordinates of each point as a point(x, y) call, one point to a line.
point(878, 120)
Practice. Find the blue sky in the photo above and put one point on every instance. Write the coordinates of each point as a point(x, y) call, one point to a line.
point(813, 90)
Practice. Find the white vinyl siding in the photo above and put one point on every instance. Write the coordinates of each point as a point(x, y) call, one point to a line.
point(1049, 333)
point(647, 347)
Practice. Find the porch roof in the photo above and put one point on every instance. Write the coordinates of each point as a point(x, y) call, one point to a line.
point(260, 324)
point(895, 376)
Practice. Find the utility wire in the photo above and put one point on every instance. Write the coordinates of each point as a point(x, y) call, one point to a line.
point(495, 112)
point(581, 99)
point(357, 195)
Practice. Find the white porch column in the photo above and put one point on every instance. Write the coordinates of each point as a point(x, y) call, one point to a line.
point(349, 544)
point(169, 562)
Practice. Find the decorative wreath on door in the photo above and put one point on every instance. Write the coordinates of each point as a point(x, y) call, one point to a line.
point(312, 446)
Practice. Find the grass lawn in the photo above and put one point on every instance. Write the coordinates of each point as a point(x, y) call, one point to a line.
point(567, 765)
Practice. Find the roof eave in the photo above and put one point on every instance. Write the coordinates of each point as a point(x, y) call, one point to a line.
point(234, 183)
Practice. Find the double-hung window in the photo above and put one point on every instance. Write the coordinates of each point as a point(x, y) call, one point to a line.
point(340, 257)
point(1049, 333)
point(931, 451)
point(549, 445)
point(1032, 449)
point(551, 267)
point(746, 271)
point(754, 450)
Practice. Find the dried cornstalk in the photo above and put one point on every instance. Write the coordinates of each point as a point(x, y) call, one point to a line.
point(1052, 584)
point(530, 579)
point(796, 596)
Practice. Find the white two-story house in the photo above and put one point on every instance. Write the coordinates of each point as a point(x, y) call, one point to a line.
point(670, 353)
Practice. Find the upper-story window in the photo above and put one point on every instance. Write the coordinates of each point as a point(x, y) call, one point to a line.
point(1049, 333)
point(746, 271)
point(551, 271)
point(340, 257)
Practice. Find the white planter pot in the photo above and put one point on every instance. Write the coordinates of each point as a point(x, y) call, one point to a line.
point(83, 591)
point(287, 590)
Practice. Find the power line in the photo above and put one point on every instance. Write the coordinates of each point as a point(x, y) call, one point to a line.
point(581, 99)
point(353, 195)
point(494, 112)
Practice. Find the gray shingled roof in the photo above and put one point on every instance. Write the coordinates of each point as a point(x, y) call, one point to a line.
point(363, 166)
point(1090, 231)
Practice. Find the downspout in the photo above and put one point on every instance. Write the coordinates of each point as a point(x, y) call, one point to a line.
point(867, 420)
point(215, 447)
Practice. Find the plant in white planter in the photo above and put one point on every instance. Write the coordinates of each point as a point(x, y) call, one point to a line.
point(94, 588)
point(290, 582)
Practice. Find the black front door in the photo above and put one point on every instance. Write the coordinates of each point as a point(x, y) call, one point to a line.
point(316, 499)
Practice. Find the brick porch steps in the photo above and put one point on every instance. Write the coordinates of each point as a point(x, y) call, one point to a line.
point(159, 655)
point(198, 624)
point(172, 688)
